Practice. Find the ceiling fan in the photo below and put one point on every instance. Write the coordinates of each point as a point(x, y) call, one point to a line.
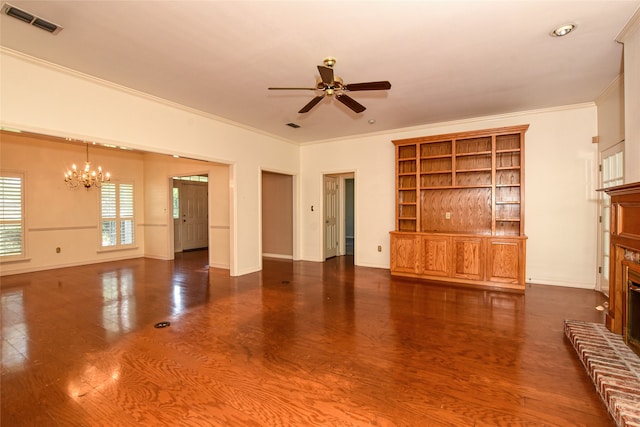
point(328, 85)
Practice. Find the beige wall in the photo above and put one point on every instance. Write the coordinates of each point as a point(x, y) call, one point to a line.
point(158, 221)
point(611, 115)
point(277, 215)
point(43, 98)
point(57, 216)
point(630, 36)
point(560, 196)
point(560, 168)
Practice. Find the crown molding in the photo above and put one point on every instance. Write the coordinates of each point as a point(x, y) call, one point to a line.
point(480, 119)
point(630, 28)
point(136, 93)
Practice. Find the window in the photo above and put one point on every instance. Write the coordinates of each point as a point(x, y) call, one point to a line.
point(117, 218)
point(176, 203)
point(11, 215)
point(196, 178)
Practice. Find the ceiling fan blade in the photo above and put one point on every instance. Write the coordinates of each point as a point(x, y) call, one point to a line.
point(292, 88)
point(385, 85)
point(311, 104)
point(326, 74)
point(350, 102)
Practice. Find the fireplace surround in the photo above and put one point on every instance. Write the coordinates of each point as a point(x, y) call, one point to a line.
point(624, 279)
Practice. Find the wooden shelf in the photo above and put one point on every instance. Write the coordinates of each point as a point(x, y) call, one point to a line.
point(473, 170)
point(474, 153)
point(436, 172)
point(455, 187)
point(440, 156)
point(468, 202)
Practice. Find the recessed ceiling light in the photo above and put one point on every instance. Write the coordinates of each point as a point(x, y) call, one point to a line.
point(563, 30)
point(372, 121)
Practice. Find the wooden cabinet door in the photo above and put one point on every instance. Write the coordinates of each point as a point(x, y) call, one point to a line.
point(404, 253)
point(435, 255)
point(468, 262)
point(505, 260)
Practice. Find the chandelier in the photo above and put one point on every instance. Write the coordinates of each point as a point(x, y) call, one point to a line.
point(86, 177)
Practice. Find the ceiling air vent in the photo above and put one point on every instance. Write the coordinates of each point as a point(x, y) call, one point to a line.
point(293, 125)
point(30, 18)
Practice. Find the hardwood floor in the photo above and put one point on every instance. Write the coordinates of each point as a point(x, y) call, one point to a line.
point(298, 344)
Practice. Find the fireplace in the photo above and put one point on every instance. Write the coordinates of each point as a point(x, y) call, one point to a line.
point(623, 314)
point(631, 313)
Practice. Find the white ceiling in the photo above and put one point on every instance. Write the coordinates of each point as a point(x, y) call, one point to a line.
point(446, 60)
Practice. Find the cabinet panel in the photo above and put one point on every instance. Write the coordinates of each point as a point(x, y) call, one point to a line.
point(468, 258)
point(404, 253)
point(434, 255)
point(629, 219)
point(467, 210)
point(504, 261)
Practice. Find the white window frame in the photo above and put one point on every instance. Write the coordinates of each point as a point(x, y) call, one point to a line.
point(118, 218)
point(21, 221)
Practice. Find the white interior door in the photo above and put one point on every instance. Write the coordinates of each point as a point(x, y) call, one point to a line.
point(612, 174)
point(331, 209)
point(194, 215)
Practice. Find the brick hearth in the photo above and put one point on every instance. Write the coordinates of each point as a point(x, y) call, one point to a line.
point(613, 367)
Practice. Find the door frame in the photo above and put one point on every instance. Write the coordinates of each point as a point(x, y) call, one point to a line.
point(602, 283)
point(173, 230)
point(179, 226)
point(295, 215)
point(341, 175)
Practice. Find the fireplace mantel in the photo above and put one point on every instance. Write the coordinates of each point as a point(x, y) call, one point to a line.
point(624, 248)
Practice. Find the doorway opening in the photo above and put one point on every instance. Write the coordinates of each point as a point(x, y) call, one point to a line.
point(339, 215)
point(190, 212)
point(277, 215)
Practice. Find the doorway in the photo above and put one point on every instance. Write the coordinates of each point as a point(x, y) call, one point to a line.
point(277, 215)
point(339, 214)
point(349, 215)
point(611, 174)
point(190, 212)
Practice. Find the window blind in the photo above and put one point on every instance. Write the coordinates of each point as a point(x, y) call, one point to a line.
point(11, 216)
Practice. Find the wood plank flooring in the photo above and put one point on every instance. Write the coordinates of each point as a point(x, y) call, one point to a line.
point(298, 344)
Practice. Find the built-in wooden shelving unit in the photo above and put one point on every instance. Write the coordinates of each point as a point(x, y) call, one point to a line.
point(460, 207)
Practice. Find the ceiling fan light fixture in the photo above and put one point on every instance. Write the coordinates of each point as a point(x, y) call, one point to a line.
point(331, 85)
point(563, 30)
